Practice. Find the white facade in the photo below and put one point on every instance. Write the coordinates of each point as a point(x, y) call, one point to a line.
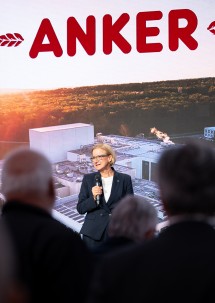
point(56, 141)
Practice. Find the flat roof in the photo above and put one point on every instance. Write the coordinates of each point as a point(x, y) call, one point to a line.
point(60, 127)
point(210, 127)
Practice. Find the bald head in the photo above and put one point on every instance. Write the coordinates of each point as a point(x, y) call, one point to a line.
point(26, 174)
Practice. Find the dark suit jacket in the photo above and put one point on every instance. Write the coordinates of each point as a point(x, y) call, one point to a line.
point(176, 266)
point(113, 244)
point(53, 261)
point(97, 217)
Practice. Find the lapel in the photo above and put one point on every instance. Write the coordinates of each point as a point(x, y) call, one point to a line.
point(114, 188)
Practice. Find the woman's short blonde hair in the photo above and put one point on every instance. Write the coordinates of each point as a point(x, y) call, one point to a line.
point(108, 149)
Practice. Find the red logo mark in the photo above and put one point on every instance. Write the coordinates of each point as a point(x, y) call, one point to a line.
point(211, 27)
point(11, 39)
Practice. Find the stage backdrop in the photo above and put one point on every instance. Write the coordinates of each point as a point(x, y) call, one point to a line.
point(125, 66)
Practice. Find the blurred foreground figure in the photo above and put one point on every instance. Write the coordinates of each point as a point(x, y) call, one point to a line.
point(178, 264)
point(133, 221)
point(11, 290)
point(134, 218)
point(54, 263)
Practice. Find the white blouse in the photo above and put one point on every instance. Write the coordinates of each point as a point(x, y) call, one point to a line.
point(107, 185)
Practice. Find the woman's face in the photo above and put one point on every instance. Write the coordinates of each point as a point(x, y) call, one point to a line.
point(100, 158)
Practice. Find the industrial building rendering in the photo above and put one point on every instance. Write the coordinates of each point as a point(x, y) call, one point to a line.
point(68, 147)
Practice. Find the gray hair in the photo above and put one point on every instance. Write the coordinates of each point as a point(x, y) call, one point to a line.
point(26, 171)
point(132, 218)
point(186, 178)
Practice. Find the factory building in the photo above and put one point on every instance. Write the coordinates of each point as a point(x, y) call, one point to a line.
point(55, 141)
point(69, 149)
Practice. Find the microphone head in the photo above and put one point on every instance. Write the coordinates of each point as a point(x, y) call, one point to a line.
point(98, 183)
point(97, 178)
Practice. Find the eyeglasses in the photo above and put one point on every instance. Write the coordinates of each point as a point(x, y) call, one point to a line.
point(99, 157)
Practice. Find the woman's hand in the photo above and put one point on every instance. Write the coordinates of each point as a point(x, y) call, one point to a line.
point(96, 190)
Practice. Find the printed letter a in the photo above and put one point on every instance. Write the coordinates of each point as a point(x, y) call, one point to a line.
point(45, 29)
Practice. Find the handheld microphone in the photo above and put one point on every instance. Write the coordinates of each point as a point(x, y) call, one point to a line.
point(98, 183)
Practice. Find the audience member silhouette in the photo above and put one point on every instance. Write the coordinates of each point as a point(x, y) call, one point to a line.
point(133, 221)
point(178, 264)
point(54, 263)
point(11, 291)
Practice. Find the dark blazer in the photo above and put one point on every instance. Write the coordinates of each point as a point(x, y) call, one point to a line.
point(54, 263)
point(176, 266)
point(97, 217)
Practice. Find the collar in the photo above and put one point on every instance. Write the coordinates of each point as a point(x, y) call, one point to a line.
point(19, 206)
point(195, 217)
point(114, 172)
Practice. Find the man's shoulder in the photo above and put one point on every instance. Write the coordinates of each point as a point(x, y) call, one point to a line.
point(61, 233)
point(59, 227)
